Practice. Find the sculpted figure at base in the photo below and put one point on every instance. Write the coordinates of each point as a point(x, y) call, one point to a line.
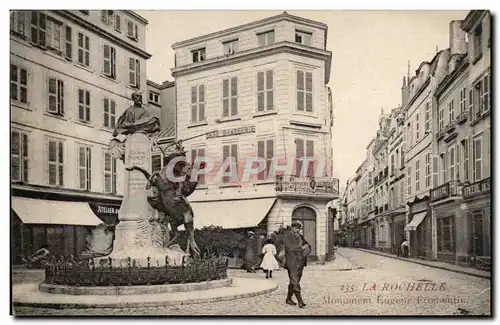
point(171, 198)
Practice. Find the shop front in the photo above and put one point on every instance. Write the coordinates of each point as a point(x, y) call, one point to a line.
point(419, 228)
point(477, 210)
point(398, 229)
point(61, 224)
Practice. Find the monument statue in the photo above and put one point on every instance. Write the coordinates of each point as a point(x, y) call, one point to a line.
point(136, 118)
point(171, 198)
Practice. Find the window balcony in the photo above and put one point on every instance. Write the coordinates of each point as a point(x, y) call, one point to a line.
point(440, 134)
point(447, 190)
point(291, 186)
point(462, 118)
point(450, 127)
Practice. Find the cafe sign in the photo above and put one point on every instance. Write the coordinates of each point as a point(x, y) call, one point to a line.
point(108, 213)
point(477, 188)
point(230, 132)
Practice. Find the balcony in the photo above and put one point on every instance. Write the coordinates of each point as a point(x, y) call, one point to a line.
point(477, 188)
point(440, 134)
point(462, 118)
point(291, 186)
point(446, 190)
point(450, 127)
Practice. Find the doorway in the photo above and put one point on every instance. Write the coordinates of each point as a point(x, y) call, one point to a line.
point(307, 217)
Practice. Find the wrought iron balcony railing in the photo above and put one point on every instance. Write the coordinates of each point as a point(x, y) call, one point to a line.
point(321, 186)
point(446, 190)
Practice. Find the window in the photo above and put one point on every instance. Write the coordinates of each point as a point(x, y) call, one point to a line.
point(134, 73)
point(303, 38)
point(18, 84)
point(402, 157)
point(230, 97)
point(84, 168)
point(478, 42)
point(427, 117)
point(463, 100)
point(109, 113)
point(304, 149)
point(417, 126)
point(118, 24)
point(392, 164)
point(230, 151)
point(435, 171)
point(198, 103)
point(266, 38)
point(56, 96)
point(441, 118)
point(107, 17)
point(451, 111)
point(486, 94)
point(265, 150)
point(304, 91)
point(231, 47)
point(477, 159)
point(410, 135)
point(443, 167)
point(53, 34)
point(154, 97)
point(417, 175)
point(55, 162)
point(200, 153)
point(457, 162)
point(19, 156)
point(446, 234)
point(38, 33)
point(471, 104)
point(68, 49)
point(428, 170)
point(451, 160)
point(265, 93)
point(109, 173)
point(83, 105)
point(18, 22)
point(465, 150)
point(132, 30)
point(408, 181)
point(198, 55)
point(84, 50)
point(109, 67)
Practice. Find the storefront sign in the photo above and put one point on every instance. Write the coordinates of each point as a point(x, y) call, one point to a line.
point(419, 206)
point(477, 188)
point(442, 191)
point(108, 213)
point(328, 186)
point(230, 132)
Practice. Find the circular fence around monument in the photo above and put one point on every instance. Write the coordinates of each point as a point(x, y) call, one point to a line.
point(86, 273)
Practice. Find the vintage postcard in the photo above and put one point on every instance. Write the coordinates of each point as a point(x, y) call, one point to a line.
point(250, 163)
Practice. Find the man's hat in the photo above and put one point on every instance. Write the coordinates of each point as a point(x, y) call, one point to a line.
point(297, 224)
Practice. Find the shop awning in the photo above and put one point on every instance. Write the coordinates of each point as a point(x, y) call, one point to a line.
point(35, 211)
point(417, 219)
point(231, 214)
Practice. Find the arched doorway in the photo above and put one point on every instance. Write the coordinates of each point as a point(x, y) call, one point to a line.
point(307, 217)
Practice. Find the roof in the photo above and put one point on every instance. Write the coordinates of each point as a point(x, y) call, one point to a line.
point(168, 132)
point(165, 84)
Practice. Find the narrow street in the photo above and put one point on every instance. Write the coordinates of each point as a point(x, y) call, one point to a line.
point(356, 283)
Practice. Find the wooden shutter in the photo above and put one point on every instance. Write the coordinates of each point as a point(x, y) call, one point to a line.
point(15, 151)
point(225, 155)
point(107, 59)
point(118, 23)
point(194, 106)
point(234, 96)
point(201, 100)
point(60, 96)
point(201, 154)
point(300, 90)
point(309, 95)
point(299, 153)
point(225, 98)
point(68, 48)
point(261, 153)
point(106, 112)
point(269, 156)
point(131, 71)
point(113, 62)
point(310, 155)
point(137, 74)
point(130, 28)
point(52, 107)
point(42, 27)
point(260, 92)
point(269, 90)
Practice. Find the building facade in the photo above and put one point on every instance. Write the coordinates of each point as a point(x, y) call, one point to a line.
point(235, 95)
point(72, 73)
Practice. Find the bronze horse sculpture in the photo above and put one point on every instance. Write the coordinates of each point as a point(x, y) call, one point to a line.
point(171, 198)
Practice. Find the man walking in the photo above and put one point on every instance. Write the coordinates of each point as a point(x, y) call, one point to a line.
point(296, 251)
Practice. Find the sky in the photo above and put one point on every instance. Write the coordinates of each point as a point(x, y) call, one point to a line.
point(370, 54)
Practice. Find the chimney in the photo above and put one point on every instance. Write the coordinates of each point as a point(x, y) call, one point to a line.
point(405, 92)
point(457, 38)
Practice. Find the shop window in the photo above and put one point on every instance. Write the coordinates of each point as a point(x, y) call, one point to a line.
point(446, 234)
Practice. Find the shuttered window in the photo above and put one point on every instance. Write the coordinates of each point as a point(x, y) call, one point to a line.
point(55, 162)
point(230, 151)
point(134, 73)
point(198, 104)
point(265, 150)
point(84, 168)
point(304, 149)
point(109, 173)
point(265, 91)
point(477, 145)
point(84, 51)
point(109, 58)
point(196, 159)
point(56, 96)
point(304, 91)
point(230, 97)
point(19, 156)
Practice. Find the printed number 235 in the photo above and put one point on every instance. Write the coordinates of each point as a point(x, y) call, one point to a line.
point(347, 288)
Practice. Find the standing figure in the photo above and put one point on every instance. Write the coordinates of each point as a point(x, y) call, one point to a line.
point(250, 252)
point(405, 247)
point(259, 243)
point(296, 251)
point(269, 262)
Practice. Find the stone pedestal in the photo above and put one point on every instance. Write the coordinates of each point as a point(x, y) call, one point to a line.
point(138, 234)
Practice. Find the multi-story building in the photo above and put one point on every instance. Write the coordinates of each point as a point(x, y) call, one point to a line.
point(418, 153)
point(72, 73)
point(353, 233)
point(461, 198)
point(259, 90)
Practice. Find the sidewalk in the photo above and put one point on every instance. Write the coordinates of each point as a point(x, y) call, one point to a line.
point(435, 264)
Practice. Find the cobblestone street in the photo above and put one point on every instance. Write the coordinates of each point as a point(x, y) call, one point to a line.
point(333, 289)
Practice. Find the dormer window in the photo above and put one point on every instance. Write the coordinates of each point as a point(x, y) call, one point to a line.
point(303, 38)
point(266, 38)
point(154, 97)
point(107, 16)
point(199, 55)
point(230, 47)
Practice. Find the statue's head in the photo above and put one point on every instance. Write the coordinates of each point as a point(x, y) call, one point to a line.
point(137, 97)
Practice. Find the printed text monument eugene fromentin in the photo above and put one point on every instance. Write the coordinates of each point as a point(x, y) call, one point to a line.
point(277, 172)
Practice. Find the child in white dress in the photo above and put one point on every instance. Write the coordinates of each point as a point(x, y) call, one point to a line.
point(269, 262)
